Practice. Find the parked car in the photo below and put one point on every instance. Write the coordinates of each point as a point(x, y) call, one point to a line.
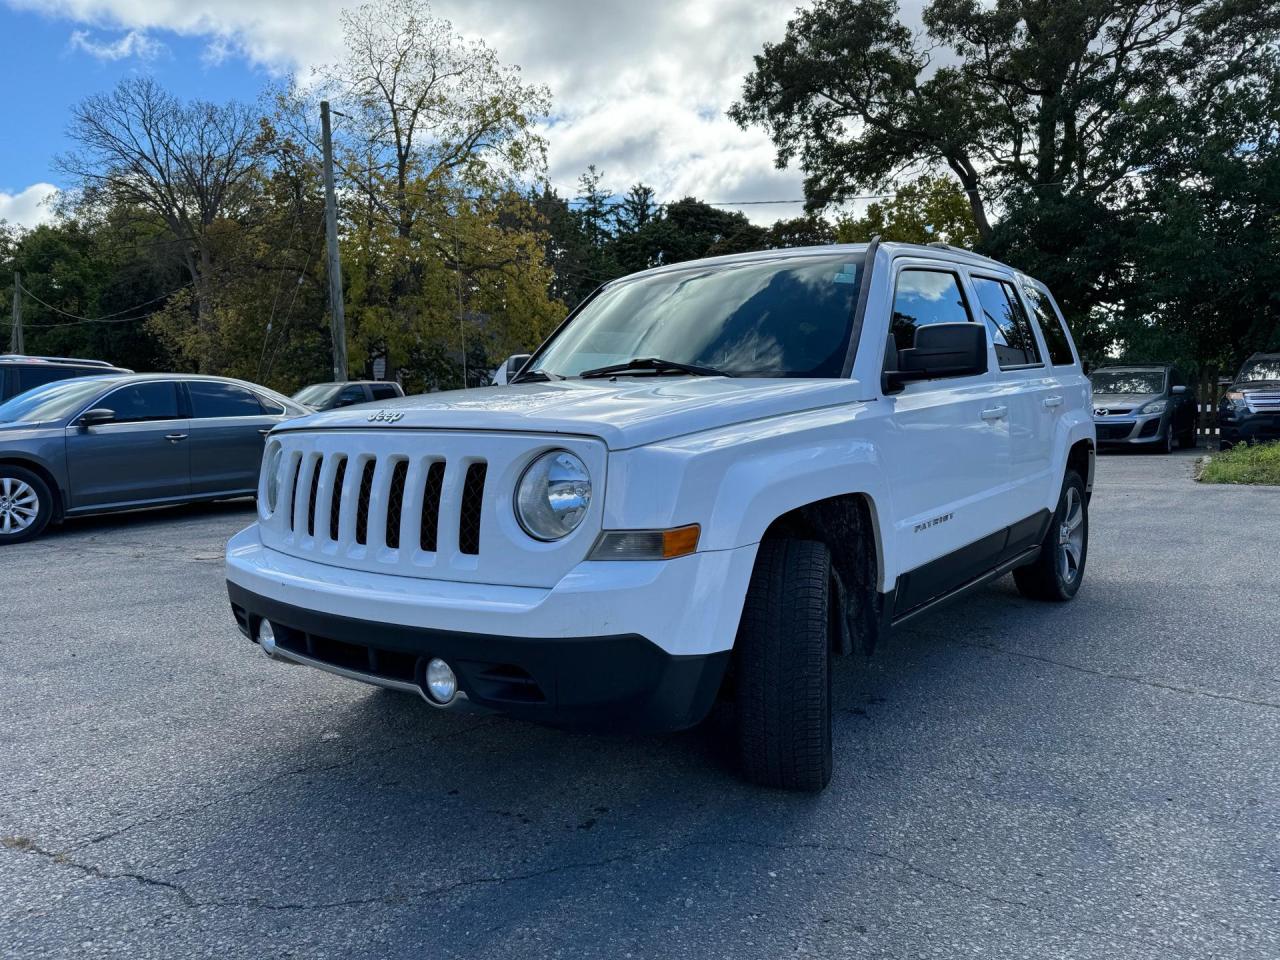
point(1250, 409)
point(95, 444)
point(19, 373)
point(1143, 405)
point(712, 478)
point(330, 396)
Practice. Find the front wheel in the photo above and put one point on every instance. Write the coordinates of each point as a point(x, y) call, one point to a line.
point(783, 667)
point(26, 504)
point(1056, 573)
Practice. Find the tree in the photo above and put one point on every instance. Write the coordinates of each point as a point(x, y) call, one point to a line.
point(636, 209)
point(189, 165)
point(810, 230)
point(926, 210)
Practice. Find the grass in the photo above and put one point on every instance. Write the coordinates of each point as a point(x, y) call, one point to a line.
point(1243, 464)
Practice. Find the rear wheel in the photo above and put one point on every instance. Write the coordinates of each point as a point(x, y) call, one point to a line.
point(1057, 572)
point(783, 667)
point(26, 504)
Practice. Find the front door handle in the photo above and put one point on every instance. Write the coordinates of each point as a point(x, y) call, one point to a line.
point(995, 413)
point(175, 437)
point(1052, 402)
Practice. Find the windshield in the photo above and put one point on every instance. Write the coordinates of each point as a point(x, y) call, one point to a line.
point(785, 317)
point(1136, 382)
point(1262, 369)
point(53, 401)
point(317, 394)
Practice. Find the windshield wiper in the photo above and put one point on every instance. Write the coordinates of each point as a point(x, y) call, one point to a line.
point(657, 365)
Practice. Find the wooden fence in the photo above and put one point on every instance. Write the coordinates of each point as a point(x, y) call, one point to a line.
point(1208, 395)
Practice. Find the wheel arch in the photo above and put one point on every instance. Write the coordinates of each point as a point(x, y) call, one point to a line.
point(45, 474)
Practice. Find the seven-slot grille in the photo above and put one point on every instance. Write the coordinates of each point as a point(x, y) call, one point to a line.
point(430, 504)
point(367, 504)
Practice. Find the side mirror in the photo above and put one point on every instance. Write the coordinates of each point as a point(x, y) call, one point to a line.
point(1178, 390)
point(95, 416)
point(941, 350)
point(1086, 367)
point(514, 364)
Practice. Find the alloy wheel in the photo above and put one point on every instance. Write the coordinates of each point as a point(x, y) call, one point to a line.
point(19, 505)
point(1071, 537)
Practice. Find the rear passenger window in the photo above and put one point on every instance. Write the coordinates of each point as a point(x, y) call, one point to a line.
point(271, 406)
point(1051, 325)
point(37, 375)
point(1008, 323)
point(384, 391)
point(210, 399)
point(924, 297)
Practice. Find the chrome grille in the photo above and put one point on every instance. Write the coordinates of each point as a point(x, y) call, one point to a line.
point(1262, 401)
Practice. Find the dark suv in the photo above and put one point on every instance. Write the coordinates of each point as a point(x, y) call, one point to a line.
point(19, 373)
point(1250, 409)
point(330, 396)
point(1143, 405)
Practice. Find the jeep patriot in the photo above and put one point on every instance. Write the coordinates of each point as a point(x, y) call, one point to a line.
point(709, 481)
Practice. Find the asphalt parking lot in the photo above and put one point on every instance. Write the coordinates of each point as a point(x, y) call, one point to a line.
point(1012, 779)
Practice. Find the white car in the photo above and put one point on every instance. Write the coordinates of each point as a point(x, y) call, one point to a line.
point(710, 480)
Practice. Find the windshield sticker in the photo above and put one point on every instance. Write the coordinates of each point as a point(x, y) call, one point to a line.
point(848, 274)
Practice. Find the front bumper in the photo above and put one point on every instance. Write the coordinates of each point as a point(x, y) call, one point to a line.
point(635, 645)
point(1129, 430)
point(1249, 428)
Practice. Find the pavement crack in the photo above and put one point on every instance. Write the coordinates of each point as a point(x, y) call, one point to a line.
point(1111, 675)
point(30, 847)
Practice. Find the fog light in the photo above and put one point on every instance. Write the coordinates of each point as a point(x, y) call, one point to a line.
point(442, 685)
point(266, 636)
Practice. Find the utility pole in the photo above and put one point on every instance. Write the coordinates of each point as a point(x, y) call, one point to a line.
point(337, 317)
point(15, 338)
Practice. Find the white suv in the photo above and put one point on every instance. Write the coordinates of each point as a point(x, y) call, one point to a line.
point(713, 477)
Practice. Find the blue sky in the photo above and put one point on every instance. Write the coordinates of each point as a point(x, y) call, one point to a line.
point(639, 89)
point(47, 71)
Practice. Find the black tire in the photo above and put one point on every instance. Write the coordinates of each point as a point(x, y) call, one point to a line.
point(1168, 443)
point(783, 668)
point(1051, 576)
point(1189, 438)
point(17, 486)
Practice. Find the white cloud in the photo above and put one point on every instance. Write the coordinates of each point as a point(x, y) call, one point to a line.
point(640, 89)
point(135, 43)
point(28, 208)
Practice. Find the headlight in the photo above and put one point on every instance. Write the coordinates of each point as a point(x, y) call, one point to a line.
point(271, 467)
point(1155, 406)
point(553, 495)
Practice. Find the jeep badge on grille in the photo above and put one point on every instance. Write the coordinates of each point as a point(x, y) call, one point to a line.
point(385, 416)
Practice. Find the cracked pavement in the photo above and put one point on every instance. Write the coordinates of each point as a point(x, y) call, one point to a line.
point(1012, 779)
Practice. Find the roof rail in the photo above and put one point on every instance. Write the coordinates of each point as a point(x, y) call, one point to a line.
point(26, 356)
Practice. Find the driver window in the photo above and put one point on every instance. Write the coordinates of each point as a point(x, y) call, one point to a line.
point(140, 402)
point(924, 297)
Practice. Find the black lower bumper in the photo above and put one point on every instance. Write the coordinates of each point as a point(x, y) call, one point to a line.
point(1259, 428)
point(618, 683)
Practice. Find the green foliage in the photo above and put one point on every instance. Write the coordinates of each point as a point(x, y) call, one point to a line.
point(1244, 464)
point(926, 210)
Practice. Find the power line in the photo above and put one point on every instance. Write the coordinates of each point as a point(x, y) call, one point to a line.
point(117, 317)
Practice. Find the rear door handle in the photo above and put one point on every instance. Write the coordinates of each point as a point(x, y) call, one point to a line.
point(995, 413)
point(1052, 402)
point(175, 437)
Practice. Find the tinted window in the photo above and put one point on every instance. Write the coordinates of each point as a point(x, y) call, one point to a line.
point(143, 401)
point(270, 406)
point(925, 297)
point(1052, 326)
point(1136, 382)
point(1007, 322)
point(318, 394)
point(38, 374)
point(209, 399)
point(783, 317)
point(350, 395)
point(384, 391)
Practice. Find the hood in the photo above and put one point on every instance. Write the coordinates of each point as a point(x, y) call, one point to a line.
point(1125, 401)
point(628, 412)
point(15, 432)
